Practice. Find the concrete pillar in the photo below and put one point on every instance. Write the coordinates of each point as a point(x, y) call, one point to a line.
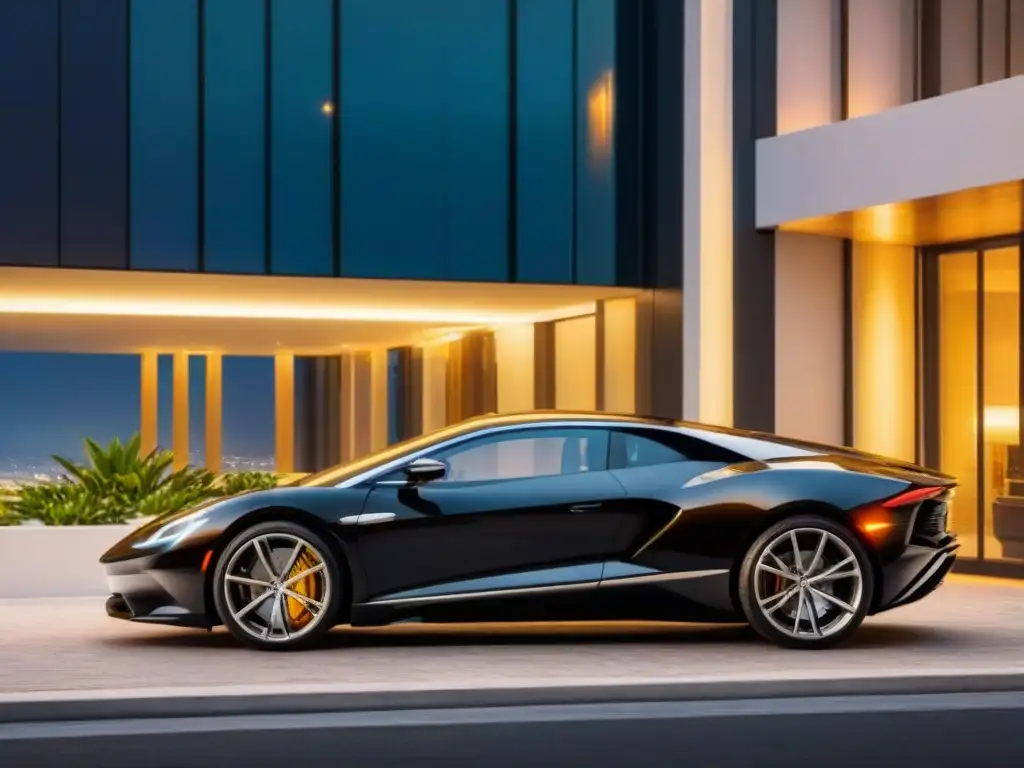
point(472, 381)
point(179, 410)
point(284, 413)
point(214, 412)
point(434, 372)
point(576, 364)
point(809, 349)
point(617, 355)
point(514, 362)
point(356, 405)
point(884, 353)
point(809, 85)
point(318, 400)
point(379, 399)
point(881, 66)
point(708, 212)
point(149, 401)
point(544, 365)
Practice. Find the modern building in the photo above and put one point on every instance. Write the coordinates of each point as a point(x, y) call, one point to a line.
point(800, 216)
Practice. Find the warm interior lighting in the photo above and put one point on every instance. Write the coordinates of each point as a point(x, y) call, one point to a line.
point(448, 338)
point(601, 118)
point(883, 222)
point(1002, 424)
point(246, 310)
point(327, 108)
point(968, 214)
point(126, 311)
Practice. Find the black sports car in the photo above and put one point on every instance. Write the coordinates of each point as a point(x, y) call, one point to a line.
point(553, 516)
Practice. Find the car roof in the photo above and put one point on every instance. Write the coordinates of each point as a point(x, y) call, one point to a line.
point(547, 415)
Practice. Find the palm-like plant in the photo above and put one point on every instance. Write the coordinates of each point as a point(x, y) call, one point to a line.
point(138, 484)
point(120, 468)
point(118, 483)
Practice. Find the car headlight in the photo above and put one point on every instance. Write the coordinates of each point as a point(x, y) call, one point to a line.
point(174, 531)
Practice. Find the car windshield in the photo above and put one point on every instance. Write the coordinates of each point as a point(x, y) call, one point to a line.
point(341, 472)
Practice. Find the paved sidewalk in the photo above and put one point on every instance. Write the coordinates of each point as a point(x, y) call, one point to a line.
point(70, 648)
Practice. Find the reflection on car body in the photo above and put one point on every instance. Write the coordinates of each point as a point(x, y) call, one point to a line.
point(554, 516)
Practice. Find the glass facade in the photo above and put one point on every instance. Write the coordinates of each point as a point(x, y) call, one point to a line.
point(972, 382)
point(437, 139)
point(28, 151)
point(164, 135)
point(301, 123)
point(93, 134)
point(544, 141)
point(234, 134)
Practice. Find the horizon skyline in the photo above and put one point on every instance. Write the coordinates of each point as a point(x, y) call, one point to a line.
point(40, 418)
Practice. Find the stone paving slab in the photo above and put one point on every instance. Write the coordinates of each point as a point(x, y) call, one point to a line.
point(69, 649)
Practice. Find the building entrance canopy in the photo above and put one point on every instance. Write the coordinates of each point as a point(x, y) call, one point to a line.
point(942, 170)
point(66, 310)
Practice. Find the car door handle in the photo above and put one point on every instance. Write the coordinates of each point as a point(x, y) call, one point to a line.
point(370, 518)
point(585, 507)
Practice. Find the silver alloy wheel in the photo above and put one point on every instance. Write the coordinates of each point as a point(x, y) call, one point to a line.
point(808, 583)
point(277, 587)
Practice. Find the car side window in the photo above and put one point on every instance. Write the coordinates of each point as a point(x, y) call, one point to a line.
point(631, 449)
point(525, 454)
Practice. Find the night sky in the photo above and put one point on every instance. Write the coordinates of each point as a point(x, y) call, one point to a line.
point(48, 402)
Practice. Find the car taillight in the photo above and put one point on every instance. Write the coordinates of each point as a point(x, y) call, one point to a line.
point(913, 496)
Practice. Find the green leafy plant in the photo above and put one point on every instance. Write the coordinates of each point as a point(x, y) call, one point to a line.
point(7, 515)
point(241, 482)
point(118, 484)
point(64, 502)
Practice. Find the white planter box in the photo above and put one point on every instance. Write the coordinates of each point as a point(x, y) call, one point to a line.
point(61, 561)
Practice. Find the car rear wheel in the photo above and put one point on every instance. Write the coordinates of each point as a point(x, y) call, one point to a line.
point(277, 586)
point(806, 583)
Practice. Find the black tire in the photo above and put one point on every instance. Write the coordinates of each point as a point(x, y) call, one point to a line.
point(269, 532)
point(808, 632)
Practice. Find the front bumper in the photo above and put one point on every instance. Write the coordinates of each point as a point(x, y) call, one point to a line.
point(917, 573)
point(151, 590)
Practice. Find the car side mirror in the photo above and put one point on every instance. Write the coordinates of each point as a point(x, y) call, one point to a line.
point(425, 470)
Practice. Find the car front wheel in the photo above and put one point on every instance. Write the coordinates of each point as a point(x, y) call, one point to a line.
point(806, 583)
point(277, 586)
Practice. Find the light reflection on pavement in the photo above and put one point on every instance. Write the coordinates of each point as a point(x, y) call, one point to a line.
point(970, 626)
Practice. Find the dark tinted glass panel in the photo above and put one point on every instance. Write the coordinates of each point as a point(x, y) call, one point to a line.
point(629, 450)
point(302, 119)
point(424, 136)
point(94, 134)
point(595, 169)
point(28, 132)
point(391, 133)
point(544, 139)
point(234, 150)
point(475, 138)
point(164, 136)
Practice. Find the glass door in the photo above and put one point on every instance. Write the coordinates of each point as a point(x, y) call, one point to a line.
point(973, 393)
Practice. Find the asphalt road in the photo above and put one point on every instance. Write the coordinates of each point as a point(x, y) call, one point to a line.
point(935, 731)
point(969, 627)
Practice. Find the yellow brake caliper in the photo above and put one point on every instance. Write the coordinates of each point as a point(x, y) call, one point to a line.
point(298, 614)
